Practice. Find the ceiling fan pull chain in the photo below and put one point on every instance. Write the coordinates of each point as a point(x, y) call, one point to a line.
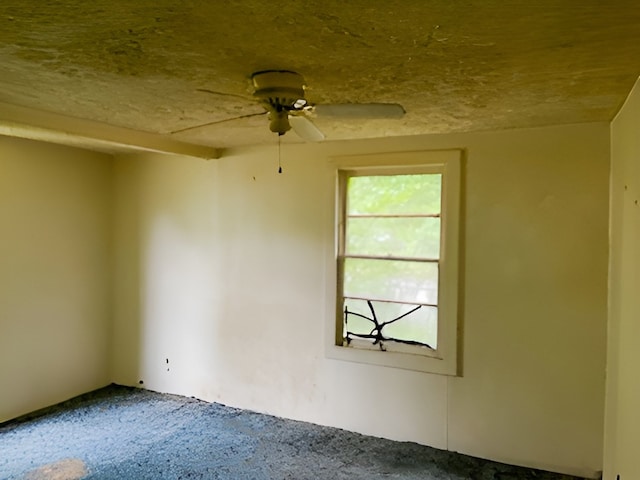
point(279, 149)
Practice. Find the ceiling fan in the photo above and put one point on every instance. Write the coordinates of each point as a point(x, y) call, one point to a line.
point(282, 94)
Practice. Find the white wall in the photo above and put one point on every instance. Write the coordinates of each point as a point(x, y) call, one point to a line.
point(221, 270)
point(55, 228)
point(622, 434)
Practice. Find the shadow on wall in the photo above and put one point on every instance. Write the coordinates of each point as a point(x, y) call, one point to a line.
point(165, 285)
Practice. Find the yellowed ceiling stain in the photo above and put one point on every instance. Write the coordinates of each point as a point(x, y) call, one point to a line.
point(161, 67)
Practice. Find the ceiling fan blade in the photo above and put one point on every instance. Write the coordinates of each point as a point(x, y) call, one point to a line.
point(215, 122)
point(360, 110)
point(305, 128)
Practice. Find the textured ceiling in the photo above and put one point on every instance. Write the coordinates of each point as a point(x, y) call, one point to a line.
point(161, 66)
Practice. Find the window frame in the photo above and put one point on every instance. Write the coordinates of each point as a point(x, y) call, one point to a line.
point(444, 360)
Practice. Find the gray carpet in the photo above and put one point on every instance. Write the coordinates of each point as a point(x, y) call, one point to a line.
point(125, 433)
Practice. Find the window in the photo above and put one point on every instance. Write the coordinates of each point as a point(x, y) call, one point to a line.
point(397, 260)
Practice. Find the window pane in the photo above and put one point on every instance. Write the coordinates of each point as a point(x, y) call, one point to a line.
point(420, 326)
point(399, 237)
point(393, 194)
point(355, 323)
point(411, 282)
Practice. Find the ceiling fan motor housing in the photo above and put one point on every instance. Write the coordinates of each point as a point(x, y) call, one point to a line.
point(280, 91)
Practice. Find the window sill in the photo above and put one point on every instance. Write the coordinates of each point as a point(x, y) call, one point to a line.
point(405, 361)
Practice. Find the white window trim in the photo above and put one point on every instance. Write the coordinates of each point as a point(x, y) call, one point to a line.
point(445, 360)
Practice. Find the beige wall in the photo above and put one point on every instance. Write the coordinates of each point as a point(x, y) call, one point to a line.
point(221, 270)
point(54, 273)
point(622, 434)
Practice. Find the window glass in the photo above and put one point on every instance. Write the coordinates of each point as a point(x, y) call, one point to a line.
point(420, 325)
point(390, 260)
point(389, 194)
point(413, 282)
point(414, 237)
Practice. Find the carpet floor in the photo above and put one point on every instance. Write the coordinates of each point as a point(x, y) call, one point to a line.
point(125, 433)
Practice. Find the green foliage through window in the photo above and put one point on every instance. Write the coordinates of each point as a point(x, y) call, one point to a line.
point(390, 258)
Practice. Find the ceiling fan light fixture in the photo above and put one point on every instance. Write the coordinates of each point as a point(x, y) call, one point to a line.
point(279, 122)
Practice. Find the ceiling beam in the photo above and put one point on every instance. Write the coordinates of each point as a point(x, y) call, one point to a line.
point(23, 122)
